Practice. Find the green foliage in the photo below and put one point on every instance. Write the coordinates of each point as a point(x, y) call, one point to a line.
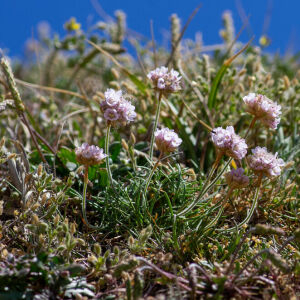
point(41, 277)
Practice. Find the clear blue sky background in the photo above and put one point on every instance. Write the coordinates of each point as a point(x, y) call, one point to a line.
point(19, 18)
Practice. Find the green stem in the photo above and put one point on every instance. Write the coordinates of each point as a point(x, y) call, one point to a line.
point(149, 179)
point(205, 189)
point(155, 126)
point(85, 183)
point(213, 169)
point(107, 153)
point(249, 215)
point(216, 219)
point(175, 239)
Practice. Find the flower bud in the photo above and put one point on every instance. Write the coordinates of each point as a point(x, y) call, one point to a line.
point(236, 180)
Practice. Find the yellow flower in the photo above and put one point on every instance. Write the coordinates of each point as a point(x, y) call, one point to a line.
point(72, 25)
point(264, 41)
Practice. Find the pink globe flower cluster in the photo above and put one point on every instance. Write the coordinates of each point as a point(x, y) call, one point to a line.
point(229, 143)
point(263, 162)
point(89, 155)
point(236, 178)
point(167, 140)
point(116, 108)
point(264, 109)
point(164, 80)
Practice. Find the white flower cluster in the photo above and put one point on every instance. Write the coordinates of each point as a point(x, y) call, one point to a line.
point(89, 155)
point(263, 162)
point(167, 140)
point(164, 80)
point(264, 109)
point(229, 143)
point(116, 108)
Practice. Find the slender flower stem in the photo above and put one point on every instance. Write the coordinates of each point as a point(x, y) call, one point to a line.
point(207, 186)
point(85, 183)
point(250, 213)
point(149, 179)
point(107, 153)
point(216, 219)
point(213, 169)
point(250, 126)
point(155, 125)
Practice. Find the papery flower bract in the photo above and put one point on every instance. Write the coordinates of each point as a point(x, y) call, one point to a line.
point(164, 80)
point(236, 178)
point(89, 155)
point(263, 162)
point(264, 109)
point(228, 142)
point(116, 108)
point(167, 140)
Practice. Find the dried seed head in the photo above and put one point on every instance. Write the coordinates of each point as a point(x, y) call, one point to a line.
point(12, 85)
point(115, 85)
point(73, 228)
point(115, 73)
point(286, 81)
point(132, 139)
point(175, 36)
point(56, 220)
point(124, 144)
point(40, 170)
point(2, 142)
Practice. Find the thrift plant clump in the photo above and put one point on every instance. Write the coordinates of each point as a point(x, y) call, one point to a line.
point(165, 175)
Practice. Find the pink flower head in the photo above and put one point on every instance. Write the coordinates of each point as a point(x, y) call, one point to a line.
point(167, 140)
point(89, 155)
point(229, 143)
point(263, 162)
point(111, 114)
point(126, 109)
point(116, 108)
point(164, 80)
point(264, 109)
point(236, 178)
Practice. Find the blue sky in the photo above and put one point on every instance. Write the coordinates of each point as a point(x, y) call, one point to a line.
point(19, 19)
